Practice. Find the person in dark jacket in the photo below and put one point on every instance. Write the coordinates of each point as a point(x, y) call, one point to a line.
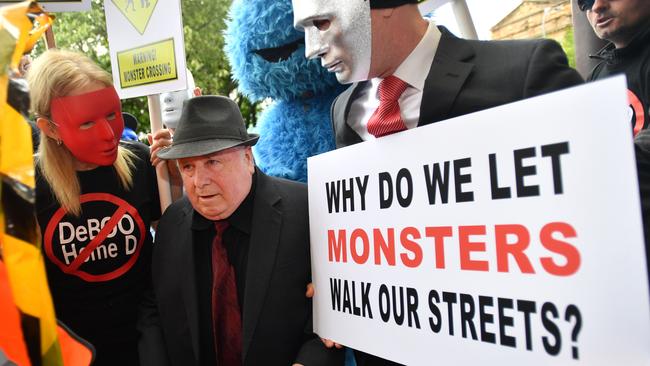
point(407, 72)
point(626, 25)
point(231, 259)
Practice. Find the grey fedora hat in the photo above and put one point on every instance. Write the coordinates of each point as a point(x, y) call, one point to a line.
point(208, 124)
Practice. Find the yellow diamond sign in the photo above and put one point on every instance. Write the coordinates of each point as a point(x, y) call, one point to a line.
point(138, 12)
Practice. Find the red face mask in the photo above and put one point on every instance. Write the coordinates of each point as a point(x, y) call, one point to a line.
point(90, 125)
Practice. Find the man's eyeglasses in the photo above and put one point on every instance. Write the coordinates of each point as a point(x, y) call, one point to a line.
point(585, 5)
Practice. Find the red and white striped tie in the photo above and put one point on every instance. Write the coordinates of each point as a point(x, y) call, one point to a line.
point(387, 119)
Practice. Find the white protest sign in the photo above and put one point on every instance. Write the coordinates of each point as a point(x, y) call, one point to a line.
point(56, 5)
point(146, 45)
point(510, 236)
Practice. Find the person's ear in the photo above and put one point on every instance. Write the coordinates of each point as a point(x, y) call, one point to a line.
point(385, 13)
point(48, 128)
point(197, 92)
point(250, 160)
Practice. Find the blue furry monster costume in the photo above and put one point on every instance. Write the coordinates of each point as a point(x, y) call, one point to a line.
point(267, 56)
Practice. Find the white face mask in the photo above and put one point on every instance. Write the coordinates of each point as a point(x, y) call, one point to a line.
point(171, 103)
point(337, 31)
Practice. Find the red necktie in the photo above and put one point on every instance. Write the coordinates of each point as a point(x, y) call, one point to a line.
point(226, 318)
point(386, 119)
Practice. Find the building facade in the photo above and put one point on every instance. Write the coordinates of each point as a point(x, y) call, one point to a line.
point(536, 19)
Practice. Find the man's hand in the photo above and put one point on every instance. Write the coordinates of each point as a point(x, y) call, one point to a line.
point(161, 139)
point(327, 342)
point(330, 343)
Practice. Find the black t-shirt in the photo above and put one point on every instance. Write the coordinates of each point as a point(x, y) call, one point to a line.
point(98, 296)
point(633, 61)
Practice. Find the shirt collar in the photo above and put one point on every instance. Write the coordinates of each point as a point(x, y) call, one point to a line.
point(240, 219)
point(411, 70)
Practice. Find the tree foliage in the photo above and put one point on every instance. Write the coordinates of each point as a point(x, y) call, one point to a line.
point(203, 26)
point(568, 44)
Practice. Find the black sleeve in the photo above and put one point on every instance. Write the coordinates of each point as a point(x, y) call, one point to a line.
point(144, 165)
point(155, 195)
point(151, 345)
point(642, 152)
point(314, 353)
point(549, 70)
point(153, 182)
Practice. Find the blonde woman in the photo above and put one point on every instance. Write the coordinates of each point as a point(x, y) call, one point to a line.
point(96, 197)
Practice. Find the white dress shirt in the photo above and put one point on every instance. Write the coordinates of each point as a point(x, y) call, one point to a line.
point(413, 70)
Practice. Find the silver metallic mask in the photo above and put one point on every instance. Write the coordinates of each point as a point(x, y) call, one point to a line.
point(337, 31)
point(171, 103)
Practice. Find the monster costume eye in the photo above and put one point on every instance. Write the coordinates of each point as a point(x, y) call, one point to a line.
point(277, 54)
point(322, 24)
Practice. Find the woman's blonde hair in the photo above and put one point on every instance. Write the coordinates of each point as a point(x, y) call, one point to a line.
point(57, 73)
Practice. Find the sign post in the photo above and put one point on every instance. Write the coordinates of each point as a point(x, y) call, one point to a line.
point(155, 117)
point(147, 58)
point(511, 236)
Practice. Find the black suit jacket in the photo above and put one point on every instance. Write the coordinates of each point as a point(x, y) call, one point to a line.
point(276, 315)
point(468, 76)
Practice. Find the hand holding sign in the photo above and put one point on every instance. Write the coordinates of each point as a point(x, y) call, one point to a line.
point(327, 342)
point(158, 140)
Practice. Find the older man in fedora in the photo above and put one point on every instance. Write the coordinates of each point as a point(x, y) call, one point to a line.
point(231, 258)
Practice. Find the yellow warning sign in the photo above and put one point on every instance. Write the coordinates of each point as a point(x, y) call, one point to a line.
point(148, 64)
point(138, 12)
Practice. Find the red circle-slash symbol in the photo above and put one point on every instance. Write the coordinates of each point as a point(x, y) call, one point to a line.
point(73, 268)
point(638, 117)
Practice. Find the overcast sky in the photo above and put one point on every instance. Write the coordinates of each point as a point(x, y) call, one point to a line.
point(485, 14)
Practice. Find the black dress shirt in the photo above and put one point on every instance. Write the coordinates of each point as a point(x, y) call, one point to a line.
point(236, 239)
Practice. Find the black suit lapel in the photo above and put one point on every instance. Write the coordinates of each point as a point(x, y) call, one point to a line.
point(340, 110)
point(448, 73)
point(264, 241)
point(188, 282)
